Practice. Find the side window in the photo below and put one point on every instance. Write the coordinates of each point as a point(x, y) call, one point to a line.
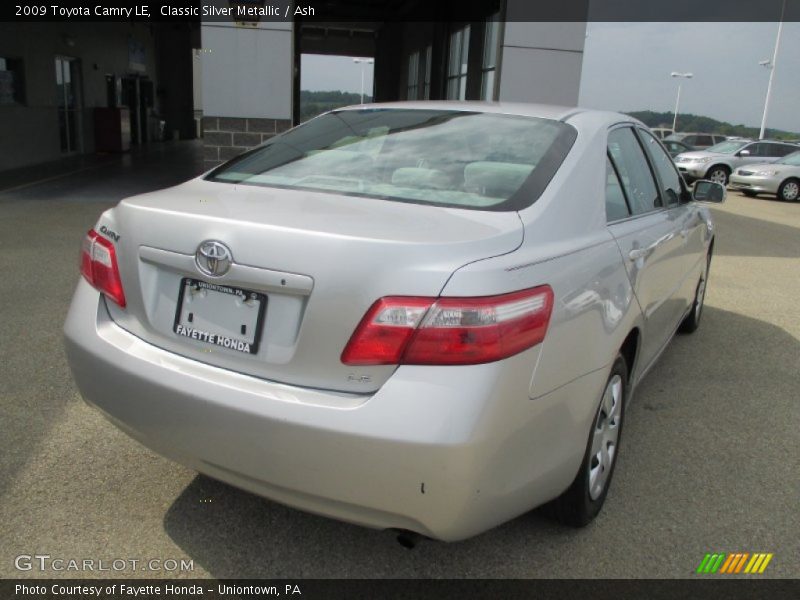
point(780, 150)
point(634, 172)
point(690, 139)
point(705, 140)
point(616, 205)
point(670, 180)
point(759, 149)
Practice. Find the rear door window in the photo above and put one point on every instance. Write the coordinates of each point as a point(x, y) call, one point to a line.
point(616, 204)
point(667, 173)
point(780, 150)
point(758, 149)
point(634, 171)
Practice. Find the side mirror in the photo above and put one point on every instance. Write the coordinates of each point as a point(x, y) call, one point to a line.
point(709, 191)
point(744, 153)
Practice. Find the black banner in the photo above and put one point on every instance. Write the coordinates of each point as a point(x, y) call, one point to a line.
point(704, 587)
point(326, 11)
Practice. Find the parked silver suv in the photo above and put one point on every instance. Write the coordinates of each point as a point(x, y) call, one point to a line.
point(718, 162)
point(701, 141)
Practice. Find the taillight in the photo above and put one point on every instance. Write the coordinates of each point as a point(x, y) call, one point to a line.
point(450, 331)
point(99, 266)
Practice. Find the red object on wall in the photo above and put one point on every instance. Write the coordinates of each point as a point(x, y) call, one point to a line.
point(112, 129)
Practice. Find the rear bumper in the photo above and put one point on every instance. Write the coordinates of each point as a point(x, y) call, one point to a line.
point(447, 452)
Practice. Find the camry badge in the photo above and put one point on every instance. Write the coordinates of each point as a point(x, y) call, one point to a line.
point(213, 258)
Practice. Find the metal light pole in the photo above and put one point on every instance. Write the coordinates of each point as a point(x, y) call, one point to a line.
point(771, 65)
point(678, 99)
point(362, 62)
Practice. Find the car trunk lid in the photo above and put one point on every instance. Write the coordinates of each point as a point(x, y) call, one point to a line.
point(316, 261)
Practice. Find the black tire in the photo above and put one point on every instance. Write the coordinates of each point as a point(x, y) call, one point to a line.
point(576, 507)
point(749, 194)
point(692, 321)
point(719, 173)
point(789, 190)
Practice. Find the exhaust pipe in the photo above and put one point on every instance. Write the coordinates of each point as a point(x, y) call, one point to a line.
point(409, 539)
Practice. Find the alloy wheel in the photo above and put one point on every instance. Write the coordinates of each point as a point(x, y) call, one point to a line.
point(719, 176)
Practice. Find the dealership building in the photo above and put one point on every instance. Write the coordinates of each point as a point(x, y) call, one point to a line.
point(73, 88)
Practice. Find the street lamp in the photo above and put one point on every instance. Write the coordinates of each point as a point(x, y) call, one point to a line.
point(678, 99)
point(771, 65)
point(362, 62)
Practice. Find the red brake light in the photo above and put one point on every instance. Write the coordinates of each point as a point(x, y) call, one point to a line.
point(450, 331)
point(99, 266)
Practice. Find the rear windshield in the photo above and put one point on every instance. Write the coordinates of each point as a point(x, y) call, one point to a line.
point(446, 158)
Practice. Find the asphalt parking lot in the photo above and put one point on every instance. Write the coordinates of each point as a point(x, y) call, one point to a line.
point(709, 460)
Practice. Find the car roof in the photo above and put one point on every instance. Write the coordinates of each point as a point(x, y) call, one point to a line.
point(545, 111)
point(578, 117)
point(784, 142)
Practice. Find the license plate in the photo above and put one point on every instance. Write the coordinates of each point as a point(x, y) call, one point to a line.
point(220, 315)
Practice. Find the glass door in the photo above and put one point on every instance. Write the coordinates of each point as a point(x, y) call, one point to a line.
point(68, 101)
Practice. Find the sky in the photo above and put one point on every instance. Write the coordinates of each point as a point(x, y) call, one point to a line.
point(322, 73)
point(627, 66)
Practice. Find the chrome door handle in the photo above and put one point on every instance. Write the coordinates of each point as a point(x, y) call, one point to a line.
point(638, 253)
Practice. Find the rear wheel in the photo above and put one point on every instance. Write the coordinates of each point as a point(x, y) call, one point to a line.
point(789, 190)
point(718, 174)
point(692, 320)
point(585, 497)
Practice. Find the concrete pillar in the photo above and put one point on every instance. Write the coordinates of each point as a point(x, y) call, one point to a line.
point(540, 61)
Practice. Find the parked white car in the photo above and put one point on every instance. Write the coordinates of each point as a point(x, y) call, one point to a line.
point(718, 162)
point(781, 178)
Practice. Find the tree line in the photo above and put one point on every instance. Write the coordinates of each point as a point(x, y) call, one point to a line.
point(689, 122)
point(315, 103)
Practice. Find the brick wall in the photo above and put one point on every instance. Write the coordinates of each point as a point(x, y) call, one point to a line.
point(225, 137)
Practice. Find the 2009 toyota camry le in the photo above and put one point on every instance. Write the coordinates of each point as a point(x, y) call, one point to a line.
point(426, 317)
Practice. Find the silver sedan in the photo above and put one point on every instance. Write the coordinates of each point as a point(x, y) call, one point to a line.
point(781, 178)
point(426, 317)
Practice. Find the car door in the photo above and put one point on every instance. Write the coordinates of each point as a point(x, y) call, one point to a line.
point(778, 151)
point(648, 238)
point(687, 220)
point(754, 152)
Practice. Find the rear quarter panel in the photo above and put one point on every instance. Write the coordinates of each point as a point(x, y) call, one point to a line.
point(568, 246)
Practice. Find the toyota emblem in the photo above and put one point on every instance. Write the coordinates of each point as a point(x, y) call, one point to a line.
point(213, 258)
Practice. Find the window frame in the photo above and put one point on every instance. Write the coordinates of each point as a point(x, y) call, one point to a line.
point(461, 74)
point(491, 32)
point(650, 168)
point(610, 160)
point(640, 132)
point(19, 91)
point(412, 83)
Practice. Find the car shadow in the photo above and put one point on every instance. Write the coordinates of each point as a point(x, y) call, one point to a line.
point(691, 417)
point(44, 213)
